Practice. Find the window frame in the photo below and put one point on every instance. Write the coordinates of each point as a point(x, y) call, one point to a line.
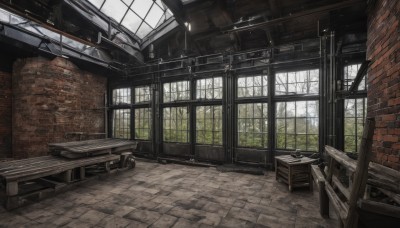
point(221, 131)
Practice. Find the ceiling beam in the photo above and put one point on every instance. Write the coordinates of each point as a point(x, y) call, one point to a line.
point(319, 10)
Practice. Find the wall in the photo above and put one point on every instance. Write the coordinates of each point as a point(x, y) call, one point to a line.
point(51, 99)
point(5, 114)
point(384, 80)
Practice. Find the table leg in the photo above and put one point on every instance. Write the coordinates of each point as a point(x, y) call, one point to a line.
point(290, 179)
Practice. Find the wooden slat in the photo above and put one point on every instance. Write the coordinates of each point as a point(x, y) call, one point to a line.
point(317, 174)
point(94, 145)
point(340, 207)
point(341, 158)
point(394, 196)
point(379, 208)
point(345, 191)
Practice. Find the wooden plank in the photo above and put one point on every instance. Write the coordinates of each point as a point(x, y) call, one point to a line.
point(340, 207)
point(317, 174)
point(385, 184)
point(375, 168)
point(345, 191)
point(394, 196)
point(12, 188)
point(361, 173)
point(379, 208)
point(341, 158)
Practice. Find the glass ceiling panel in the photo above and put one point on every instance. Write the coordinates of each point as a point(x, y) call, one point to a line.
point(143, 30)
point(114, 9)
point(141, 17)
point(154, 15)
point(97, 3)
point(141, 7)
point(131, 21)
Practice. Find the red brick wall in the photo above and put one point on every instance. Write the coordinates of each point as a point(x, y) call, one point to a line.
point(52, 98)
point(5, 114)
point(384, 80)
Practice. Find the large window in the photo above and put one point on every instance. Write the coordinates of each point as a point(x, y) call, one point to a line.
point(176, 91)
point(350, 73)
point(297, 125)
point(142, 94)
point(354, 120)
point(209, 125)
point(121, 96)
point(122, 123)
point(176, 124)
point(142, 123)
point(209, 88)
point(253, 125)
point(298, 82)
point(252, 86)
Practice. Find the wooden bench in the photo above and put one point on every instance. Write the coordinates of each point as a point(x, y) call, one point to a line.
point(49, 172)
point(346, 182)
point(85, 148)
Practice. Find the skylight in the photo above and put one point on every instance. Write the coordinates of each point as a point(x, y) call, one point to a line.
point(141, 17)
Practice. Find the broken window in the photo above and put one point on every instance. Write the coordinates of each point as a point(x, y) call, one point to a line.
point(176, 124)
point(176, 91)
point(354, 120)
point(297, 125)
point(143, 123)
point(142, 94)
point(297, 82)
point(252, 86)
point(121, 96)
point(122, 123)
point(209, 125)
point(253, 125)
point(209, 88)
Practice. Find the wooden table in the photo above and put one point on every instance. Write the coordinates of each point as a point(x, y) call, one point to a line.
point(296, 172)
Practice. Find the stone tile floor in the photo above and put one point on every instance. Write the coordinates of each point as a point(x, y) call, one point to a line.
point(157, 195)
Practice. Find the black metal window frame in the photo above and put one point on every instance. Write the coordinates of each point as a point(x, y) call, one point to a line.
point(216, 90)
point(249, 125)
point(121, 123)
point(291, 82)
point(298, 131)
point(142, 94)
point(250, 87)
point(348, 78)
point(358, 121)
point(142, 123)
point(178, 95)
point(119, 95)
point(176, 128)
point(213, 125)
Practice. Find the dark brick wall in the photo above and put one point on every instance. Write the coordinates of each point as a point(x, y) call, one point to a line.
point(384, 80)
point(5, 114)
point(51, 99)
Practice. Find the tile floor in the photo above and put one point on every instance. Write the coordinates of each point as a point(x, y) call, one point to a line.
point(157, 195)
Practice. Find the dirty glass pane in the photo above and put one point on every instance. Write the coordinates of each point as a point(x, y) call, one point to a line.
point(154, 15)
point(141, 7)
point(252, 86)
point(354, 120)
point(121, 123)
point(142, 123)
point(252, 125)
point(131, 21)
point(297, 82)
point(121, 96)
point(97, 3)
point(143, 30)
point(142, 94)
point(114, 9)
point(178, 129)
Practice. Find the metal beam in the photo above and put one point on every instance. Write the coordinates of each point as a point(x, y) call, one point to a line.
point(319, 10)
point(360, 74)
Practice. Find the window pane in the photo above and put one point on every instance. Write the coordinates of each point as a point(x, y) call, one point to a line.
point(209, 120)
point(97, 3)
point(176, 91)
point(210, 88)
point(143, 30)
point(141, 7)
point(154, 15)
point(122, 123)
point(252, 86)
point(297, 125)
point(176, 124)
point(114, 9)
point(131, 21)
point(354, 120)
point(142, 123)
point(252, 125)
point(121, 96)
point(142, 94)
point(297, 82)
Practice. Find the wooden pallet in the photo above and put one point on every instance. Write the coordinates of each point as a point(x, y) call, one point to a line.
point(47, 174)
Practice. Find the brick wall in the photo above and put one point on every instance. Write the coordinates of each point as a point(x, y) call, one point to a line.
point(384, 80)
point(51, 99)
point(5, 114)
